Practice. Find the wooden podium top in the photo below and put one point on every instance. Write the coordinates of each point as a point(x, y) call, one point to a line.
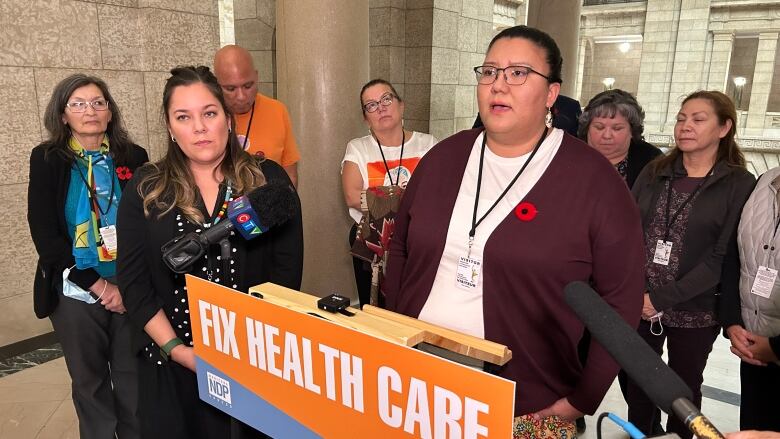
point(387, 325)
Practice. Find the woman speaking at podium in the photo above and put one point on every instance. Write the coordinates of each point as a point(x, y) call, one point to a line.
point(495, 223)
point(188, 190)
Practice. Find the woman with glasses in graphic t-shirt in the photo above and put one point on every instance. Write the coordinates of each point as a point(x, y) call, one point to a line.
point(387, 156)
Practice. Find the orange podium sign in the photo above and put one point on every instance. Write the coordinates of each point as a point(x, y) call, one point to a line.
point(292, 374)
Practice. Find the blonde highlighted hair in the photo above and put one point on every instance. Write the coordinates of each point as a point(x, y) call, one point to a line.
point(168, 183)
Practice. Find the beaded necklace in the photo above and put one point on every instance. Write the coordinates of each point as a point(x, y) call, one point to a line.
point(223, 209)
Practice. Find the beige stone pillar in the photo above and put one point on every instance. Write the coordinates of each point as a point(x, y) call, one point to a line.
point(560, 19)
point(762, 82)
point(322, 60)
point(720, 60)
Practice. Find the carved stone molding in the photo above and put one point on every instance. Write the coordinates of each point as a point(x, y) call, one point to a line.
point(747, 144)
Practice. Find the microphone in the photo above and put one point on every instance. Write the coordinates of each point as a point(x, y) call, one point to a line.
point(661, 384)
point(251, 215)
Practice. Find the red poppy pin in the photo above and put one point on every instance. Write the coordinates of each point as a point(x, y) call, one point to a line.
point(525, 211)
point(124, 173)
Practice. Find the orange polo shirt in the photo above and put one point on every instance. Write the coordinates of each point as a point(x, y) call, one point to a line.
point(270, 132)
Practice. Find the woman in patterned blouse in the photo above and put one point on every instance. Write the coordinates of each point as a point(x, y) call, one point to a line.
point(690, 202)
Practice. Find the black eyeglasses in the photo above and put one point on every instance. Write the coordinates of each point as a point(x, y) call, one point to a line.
point(385, 101)
point(81, 106)
point(513, 75)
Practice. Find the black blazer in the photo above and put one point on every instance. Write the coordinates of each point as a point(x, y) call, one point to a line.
point(640, 153)
point(46, 193)
point(711, 231)
point(146, 283)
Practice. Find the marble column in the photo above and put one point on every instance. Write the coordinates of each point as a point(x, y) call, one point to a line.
point(662, 22)
point(560, 19)
point(322, 60)
point(689, 62)
point(720, 60)
point(762, 82)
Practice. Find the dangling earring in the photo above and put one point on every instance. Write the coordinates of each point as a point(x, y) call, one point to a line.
point(173, 139)
point(548, 119)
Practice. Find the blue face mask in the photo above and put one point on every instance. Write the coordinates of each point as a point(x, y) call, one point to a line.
point(74, 291)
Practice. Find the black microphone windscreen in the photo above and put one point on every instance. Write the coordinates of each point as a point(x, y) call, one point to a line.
point(274, 203)
point(629, 350)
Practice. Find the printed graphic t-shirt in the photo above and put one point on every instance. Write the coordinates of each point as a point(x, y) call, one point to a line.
point(364, 152)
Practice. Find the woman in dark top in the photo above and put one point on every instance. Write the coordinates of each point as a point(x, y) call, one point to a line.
point(76, 182)
point(188, 191)
point(520, 253)
point(690, 202)
point(613, 123)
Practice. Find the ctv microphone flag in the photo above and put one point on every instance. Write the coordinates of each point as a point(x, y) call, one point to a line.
point(244, 218)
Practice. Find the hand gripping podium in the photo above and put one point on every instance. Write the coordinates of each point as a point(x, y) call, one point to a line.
point(275, 361)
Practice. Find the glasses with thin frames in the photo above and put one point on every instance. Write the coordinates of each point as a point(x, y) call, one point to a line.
point(81, 106)
point(385, 101)
point(513, 75)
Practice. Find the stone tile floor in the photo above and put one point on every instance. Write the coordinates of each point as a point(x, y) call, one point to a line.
point(35, 403)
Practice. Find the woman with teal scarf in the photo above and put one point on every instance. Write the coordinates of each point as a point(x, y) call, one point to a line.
point(76, 181)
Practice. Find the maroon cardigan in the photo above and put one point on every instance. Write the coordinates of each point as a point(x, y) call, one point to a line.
point(587, 228)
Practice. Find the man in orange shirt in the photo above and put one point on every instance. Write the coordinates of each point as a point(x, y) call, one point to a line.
point(262, 123)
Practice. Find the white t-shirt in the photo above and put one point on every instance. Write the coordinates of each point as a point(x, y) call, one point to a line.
point(364, 152)
point(449, 305)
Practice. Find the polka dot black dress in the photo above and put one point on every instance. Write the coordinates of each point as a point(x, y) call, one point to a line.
point(210, 267)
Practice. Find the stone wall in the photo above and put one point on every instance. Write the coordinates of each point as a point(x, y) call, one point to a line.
point(255, 27)
point(461, 34)
point(388, 51)
point(606, 60)
point(743, 63)
point(131, 44)
point(774, 95)
point(427, 50)
point(603, 28)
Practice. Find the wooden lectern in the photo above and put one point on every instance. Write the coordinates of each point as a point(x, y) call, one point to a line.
point(390, 326)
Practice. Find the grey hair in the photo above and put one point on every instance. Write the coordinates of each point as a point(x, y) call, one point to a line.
point(607, 104)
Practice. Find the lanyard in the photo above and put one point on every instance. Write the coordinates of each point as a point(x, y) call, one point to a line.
point(223, 208)
point(249, 125)
point(474, 222)
point(89, 182)
point(670, 221)
point(400, 160)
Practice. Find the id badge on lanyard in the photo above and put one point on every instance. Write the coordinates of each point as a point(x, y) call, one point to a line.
point(663, 247)
point(108, 233)
point(663, 252)
point(468, 273)
point(765, 282)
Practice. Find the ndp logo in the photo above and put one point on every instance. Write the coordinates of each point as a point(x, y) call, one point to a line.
point(219, 388)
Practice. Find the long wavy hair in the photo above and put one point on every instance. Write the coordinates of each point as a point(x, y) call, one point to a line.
point(59, 131)
point(728, 150)
point(168, 183)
